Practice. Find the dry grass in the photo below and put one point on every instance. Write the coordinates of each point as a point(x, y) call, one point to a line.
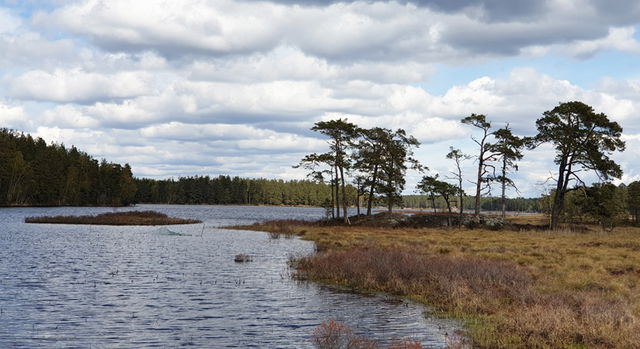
point(452, 282)
point(511, 289)
point(281, 227)
point(115, 218)
point(539, 220)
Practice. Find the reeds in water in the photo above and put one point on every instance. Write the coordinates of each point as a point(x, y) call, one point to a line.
point(115, 218)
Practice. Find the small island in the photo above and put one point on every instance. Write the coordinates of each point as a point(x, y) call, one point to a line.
point(115, 218)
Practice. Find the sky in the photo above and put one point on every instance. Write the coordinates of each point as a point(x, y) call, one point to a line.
point(198, 87)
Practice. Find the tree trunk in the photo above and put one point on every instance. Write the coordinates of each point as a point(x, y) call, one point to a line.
point(333, 213)
point(561, 187)
point(461, 201)
point(337, 192)
point(449, 209)
point(389, 199)
point(390, 186)
point(344, 197)
point(556, 210)
point(479, 185)
point(461, 196)
point(504, 185)
point(373, 185)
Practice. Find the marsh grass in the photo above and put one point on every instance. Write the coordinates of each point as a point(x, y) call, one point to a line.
point(511, 289)
point(332, 334)
point(115, 218)
point(281, 227)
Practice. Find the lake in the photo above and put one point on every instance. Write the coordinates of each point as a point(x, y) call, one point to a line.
point(72, 286)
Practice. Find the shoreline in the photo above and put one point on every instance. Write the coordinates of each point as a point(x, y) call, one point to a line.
point(507, 288)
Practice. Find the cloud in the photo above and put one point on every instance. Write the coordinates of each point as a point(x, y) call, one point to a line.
point(173, 28)
point(291, 63)
point(525, 95)
point(68, 116)
point(28, 49)
point(486, 9)
point(233, 136)
point(78, 86)
point(428, 31)
point(8, 21)
point(13, 117)
point(620, 39)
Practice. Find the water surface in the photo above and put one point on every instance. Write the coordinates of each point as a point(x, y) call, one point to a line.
point(73, 286)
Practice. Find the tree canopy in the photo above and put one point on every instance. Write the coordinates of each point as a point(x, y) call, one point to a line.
point(508, 148)
point(35, 173)
point(341, 134)
point(377, 158)
point(583, 141)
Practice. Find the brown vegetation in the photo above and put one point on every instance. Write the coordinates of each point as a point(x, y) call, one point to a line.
point(281, 227)
point(332, 334)
point(511, 289)
point(115, 218)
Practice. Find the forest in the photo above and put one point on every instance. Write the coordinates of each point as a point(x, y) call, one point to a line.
point(226, 190)
point(34, 173)
point(488, 203)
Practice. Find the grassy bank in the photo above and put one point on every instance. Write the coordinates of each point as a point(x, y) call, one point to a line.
point(511, 289)
point(115, 218)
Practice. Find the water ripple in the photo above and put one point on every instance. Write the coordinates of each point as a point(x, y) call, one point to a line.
point(65, 286)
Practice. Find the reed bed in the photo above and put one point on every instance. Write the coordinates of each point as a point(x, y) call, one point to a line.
point(332, 334)
point(115, 218)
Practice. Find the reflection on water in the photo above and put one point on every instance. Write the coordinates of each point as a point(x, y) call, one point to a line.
point(67, 286)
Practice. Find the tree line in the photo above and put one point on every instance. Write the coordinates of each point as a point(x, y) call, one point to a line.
point(376, 160)
point(35, 173)
point(487, 203)
point(226, 190)
point(600, 203)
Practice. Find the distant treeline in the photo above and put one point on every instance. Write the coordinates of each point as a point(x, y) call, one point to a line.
point(225, 190)
point(486, 203)
point(34, 173)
